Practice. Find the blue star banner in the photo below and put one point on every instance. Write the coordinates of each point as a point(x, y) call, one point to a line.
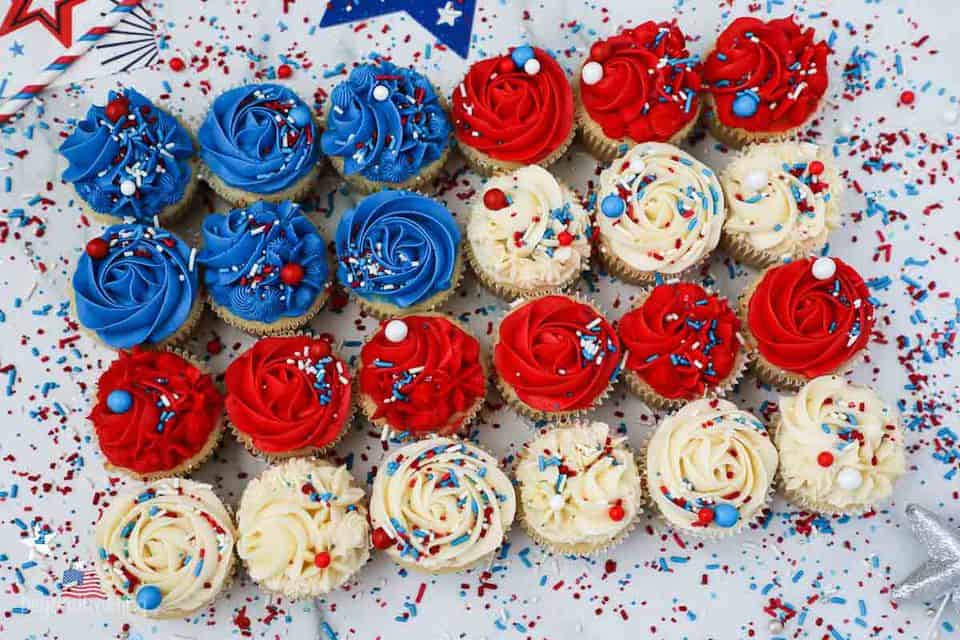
point(450, 21)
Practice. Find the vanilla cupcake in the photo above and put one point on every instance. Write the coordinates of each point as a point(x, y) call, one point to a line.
point(841, 447)
point(580, 489)
point(659, 211)
point(710, 468)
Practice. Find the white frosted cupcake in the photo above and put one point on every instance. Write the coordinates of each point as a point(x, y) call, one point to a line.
point(528, 234)
point(303, 528)
point(440, 505)
point(580, 489)
point(841, 447)
point(783, 200)
point(659, 210)
point(710, 468)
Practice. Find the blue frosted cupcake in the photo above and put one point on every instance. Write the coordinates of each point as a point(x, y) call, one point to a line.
point(265, 267)
point(131, 160)
point(137, 285)
point(259, 142)
point(399, 252)
point(386, 128)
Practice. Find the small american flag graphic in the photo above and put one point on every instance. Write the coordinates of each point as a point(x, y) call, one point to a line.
point(82, 585)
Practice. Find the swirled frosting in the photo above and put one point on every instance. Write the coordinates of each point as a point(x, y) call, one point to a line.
point(670, 205)
point(541, 238)
point(141, 291)
point(303, 528)
point(579, 485)
point(766, 76)
point(647, 90)
point(174, 410)
point(504, 111)
point(841, 447)
point(133, 162)
point(796, 207)
point(398, 248)
point(288, 394)
point(166, 549)
point(259, 138)
point(244, 255)
point(807, 325)
point(710, 466)
point(430, 380)
point(443, 504)
point(557, 354)
point(386, 122)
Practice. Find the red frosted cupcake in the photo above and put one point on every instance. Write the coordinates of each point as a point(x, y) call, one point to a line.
point(289, 396)
point(683, 343)
point(158, 414)
point(765, 79)
point(421, 374)
point(805, 319)
point(638, 86)
point(555, 357)
point(513, 110)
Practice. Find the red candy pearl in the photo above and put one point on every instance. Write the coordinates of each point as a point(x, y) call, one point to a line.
point(600, 51)
point(291, 274)
point(495, 199)
point(381, 539)
point(825, 459)
point(565, 238)
point(97, 248)
point(117, 108)
point(907, 97)
point(616, 513)
point(816, 168)
point(322, 560)
point(284, 71)
point(705, 516)
point(506, 65)
point(177, 64)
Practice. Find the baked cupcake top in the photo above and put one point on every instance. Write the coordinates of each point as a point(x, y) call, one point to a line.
point(135, 285)
point(167, 549)
point(841, 446)
point(556, 354)
point(259, 138)
point(264, 262)
point(289, 393)
point(710, 466)
point(783, 198)
point(386, 123)
point(128, 158)
point(579, 486)
point(440, 504)
point(302, 528)
point(514, 108)
point(529, 231)
point(766, 76)
point(810, 316)
point(659, 209)
point(681, 341)
point(423, 374)
point(642, 83)
point(155, 411)
point(398, 248)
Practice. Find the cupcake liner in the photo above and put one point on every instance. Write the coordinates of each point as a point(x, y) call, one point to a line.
point(385, 311)
point(239, 198)
point(738, 247)
point(488, 166)
point(617, 267)
point(277, 327)
point(737, 138)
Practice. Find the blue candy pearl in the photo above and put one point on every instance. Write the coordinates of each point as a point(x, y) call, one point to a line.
point(745, 104)
point(119, 401)
point(520, 55)
point(725, 515)
point(149, 597)
point(613, 206)
point(300, 115)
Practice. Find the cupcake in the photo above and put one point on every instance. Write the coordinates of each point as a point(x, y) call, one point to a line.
point(265, 267)
point(806, 319)
point(135, 285)
point(638, 86)
point(841, 447)
point(131, 160)
point(157, 414)
point(764, 80)
point(398, 252)
point(420, 375)
point(683, 343)
point(440, 505)
point(302, 528)
point(579, 487)
point(258, 142)
point(386, 128)
point(513, 110)
point(528, 234)
point(710, 468)
point(555, 357)
point(783, 200)
point(289, 396)
point(166, 550)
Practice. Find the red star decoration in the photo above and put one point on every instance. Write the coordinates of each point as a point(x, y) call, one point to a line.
point(60, 26)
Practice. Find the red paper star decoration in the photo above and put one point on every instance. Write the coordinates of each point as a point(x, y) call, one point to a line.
point(60, 26)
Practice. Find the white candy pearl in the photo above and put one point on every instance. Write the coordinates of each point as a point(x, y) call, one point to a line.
point(824, 268)
point(128, 187)
point(381, 93)
point(950, 116)
point(396, 331)
point(756, 180)
point(775, 626)
point(592, 73)
point(532, 66)
point(556, 502)
point(849, 479)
